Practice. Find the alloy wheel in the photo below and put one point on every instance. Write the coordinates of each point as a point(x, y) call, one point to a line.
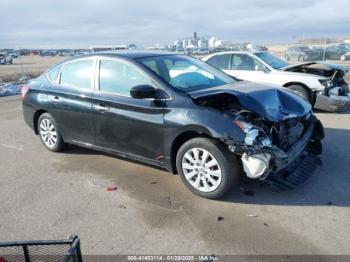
point(201, 169)
point(48, 133)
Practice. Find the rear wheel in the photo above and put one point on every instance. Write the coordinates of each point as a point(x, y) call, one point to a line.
point(301, 91)
point(49, 133)
point(207, 168)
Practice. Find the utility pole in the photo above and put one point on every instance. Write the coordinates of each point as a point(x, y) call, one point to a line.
point(20, 60)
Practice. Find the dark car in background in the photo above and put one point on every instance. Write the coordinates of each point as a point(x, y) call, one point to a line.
point(302, 53)
point(48, 53)
point(337, 52)
point(177, 113)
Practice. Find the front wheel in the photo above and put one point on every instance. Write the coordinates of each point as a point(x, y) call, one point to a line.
point(301, 91)
point(49, 133)
point(207, 168)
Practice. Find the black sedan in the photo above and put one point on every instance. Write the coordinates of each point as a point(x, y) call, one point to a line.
point(178, 113)
point(303, 53)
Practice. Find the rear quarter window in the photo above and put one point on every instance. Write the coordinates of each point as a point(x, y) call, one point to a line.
point(77, 74)
point(220, 61)
point(53, 74)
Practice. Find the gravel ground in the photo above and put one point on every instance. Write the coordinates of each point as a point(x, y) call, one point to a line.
point(48, 195)
point(51, 196)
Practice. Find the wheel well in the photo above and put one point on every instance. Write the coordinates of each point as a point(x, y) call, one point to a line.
point(35, 120)
point(178, 142)
point(311, 93)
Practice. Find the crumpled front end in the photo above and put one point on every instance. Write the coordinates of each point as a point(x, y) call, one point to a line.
point(334, 99)
point(279, 135)
point(284, 154)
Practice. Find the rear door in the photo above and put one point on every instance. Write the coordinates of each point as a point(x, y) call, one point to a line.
point(122, 123)
point(70, 97)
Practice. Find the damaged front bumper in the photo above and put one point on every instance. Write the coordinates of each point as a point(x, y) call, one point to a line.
point(332, 102)
point(285, 169)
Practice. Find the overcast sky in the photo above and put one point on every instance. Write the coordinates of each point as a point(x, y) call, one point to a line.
point(70, 23)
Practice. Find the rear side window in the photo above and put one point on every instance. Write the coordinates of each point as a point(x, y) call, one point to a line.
point(220, 61)
point(77, 74)
point(53, 75)
point(117, 77)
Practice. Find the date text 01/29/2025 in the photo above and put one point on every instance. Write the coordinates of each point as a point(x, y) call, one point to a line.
point(172, 258)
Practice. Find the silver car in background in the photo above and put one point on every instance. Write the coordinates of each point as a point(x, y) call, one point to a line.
point(321, 84)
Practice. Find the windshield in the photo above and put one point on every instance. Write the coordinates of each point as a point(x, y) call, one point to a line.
point(185, 73)
point(271, 60)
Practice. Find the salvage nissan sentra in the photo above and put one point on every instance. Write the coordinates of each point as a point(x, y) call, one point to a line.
point(178, 113)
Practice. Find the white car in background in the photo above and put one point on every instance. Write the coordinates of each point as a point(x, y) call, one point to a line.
point(5, 59)
point(323, 85)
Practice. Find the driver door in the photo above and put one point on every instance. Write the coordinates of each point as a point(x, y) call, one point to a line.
point(122, 123)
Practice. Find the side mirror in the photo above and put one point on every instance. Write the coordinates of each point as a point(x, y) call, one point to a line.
point(143, 91)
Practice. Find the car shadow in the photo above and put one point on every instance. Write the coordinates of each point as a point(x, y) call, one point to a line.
point(77, 150)
point(328, 186)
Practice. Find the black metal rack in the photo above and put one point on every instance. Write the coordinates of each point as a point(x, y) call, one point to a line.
point(67, 250)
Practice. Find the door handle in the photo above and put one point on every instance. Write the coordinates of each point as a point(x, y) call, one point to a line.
point(101, 108)
point(54, 98)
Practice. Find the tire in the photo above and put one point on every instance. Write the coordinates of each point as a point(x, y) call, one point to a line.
point(49, 133)
point(301, 91)
point(226, 169)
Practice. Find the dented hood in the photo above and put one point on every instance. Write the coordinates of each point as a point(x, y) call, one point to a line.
point(324, 66)
point(273, 103)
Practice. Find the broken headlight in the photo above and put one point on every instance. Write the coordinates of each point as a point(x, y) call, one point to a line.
point(255, 166)
point(254, 135)
point(327, 83)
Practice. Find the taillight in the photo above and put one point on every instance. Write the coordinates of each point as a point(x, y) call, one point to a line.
point(24, 91)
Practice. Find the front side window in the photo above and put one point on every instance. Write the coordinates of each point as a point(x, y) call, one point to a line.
point(77, 74)
point(220, 61)
point(186, 73)
point(117, 77)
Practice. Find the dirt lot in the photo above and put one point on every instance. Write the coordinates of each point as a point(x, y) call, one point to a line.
point(48, 195)
point(32, 67)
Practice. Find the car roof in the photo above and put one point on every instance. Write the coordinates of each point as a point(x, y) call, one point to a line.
point(133, 54)
point(237, 52)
